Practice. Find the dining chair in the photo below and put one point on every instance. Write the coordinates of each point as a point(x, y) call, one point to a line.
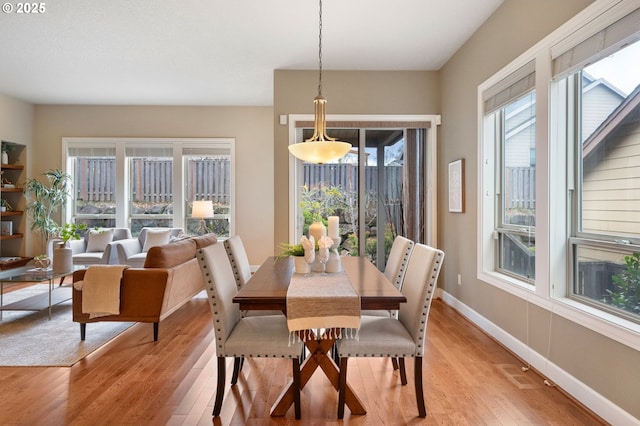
point(239, 260)
point(395, 269)
point(238, 337)
point(401, 337)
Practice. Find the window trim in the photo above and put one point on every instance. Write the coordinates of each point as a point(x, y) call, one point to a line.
point(178, 147)
point(552, 247)
point(431, 181)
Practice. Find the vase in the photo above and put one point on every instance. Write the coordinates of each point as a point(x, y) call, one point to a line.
point(301, 266)
point(317, 230)
point(62, 259)
point(5, 158)
point(334, 264)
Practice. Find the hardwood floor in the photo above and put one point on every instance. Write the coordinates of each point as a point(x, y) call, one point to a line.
point(468, 378)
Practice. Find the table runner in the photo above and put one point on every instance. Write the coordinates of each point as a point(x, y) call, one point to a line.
point(322, 301)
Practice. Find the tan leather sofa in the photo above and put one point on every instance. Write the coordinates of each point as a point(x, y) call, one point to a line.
point(170, 278)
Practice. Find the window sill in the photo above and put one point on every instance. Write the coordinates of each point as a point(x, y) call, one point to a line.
point(618, 329)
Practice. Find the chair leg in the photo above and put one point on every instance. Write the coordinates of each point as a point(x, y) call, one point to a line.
point(403, 371)
point(237, 365)
point(394, 362)
point(296, 388)
point(417, 372)
point(155, 331)
point(220, 390)
point(342, 386)
point(83, 330)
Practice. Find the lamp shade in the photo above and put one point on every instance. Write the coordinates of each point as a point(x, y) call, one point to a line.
point(319, 152)
point(202, 209)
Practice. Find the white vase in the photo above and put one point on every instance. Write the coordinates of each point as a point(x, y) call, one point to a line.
point(334, 264)
point(5, 158)
point(62, 259)
point(301, 266)
point(317, 230)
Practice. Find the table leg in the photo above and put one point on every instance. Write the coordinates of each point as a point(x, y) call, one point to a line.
point(318, 350)
point(1, 299)
point(50, 290)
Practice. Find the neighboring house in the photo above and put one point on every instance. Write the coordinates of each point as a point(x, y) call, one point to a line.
point(611, 181)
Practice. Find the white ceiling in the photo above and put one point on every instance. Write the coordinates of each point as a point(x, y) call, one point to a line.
point(216, 52)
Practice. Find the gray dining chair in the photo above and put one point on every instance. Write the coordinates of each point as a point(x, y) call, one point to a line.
point(401, 337)
point(395, 269)
point(239, 260)
point(238, 337)
point(242, 269)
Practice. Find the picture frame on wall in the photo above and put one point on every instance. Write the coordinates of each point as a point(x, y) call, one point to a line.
point(456, 186)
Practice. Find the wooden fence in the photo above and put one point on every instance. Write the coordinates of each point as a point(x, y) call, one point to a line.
point(209, 179)
point(152, 180)
point(520, 190)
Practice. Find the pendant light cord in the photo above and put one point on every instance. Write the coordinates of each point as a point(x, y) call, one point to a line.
point(320, 53)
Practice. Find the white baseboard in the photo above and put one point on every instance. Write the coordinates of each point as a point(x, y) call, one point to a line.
point(597, 403)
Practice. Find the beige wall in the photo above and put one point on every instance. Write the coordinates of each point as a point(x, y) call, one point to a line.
point(347, 92)
point(16, 125)
point(250, 126)
point(609, 368)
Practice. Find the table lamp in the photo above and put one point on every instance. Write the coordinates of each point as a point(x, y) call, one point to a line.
point(200, 210)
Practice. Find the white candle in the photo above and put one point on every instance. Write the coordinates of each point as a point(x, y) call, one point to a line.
point(334, 230)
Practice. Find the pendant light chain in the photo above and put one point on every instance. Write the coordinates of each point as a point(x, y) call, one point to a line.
point(320, 53)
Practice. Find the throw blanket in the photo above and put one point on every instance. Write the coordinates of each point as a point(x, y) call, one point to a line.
point(322, 301)
point(101, 290)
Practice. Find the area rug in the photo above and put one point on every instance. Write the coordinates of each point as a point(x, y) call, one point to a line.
point(29, 338)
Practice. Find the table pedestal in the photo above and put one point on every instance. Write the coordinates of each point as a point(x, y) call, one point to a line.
point(318, 357)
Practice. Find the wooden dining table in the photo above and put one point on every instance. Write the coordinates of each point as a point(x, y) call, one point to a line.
point(267, 290)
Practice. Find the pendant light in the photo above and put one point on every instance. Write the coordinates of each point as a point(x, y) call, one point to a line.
point(319, 148)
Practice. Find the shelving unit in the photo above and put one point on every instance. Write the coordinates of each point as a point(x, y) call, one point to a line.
point(11, 243)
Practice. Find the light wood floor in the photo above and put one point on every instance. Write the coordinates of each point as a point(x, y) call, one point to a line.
point(469, 380)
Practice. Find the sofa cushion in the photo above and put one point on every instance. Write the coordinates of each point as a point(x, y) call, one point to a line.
point(97, 239)
point(156, 237)
point(170, 255)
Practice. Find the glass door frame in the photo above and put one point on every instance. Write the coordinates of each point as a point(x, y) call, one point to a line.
point(431, 178)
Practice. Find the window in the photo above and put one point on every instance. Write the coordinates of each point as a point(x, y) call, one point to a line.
point(605, 233)
point(511, 116)
point(138, 183)
point(378, 190)
point(569, 110)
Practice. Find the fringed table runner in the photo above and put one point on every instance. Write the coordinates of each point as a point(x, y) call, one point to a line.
point(322, 305)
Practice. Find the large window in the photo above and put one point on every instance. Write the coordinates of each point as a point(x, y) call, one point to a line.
point(136, 183)
point(606, 154)
point(567, 112)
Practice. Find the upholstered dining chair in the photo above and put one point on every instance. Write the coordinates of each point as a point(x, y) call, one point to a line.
point(239, 337)
point(402, 337)
point(242, 269)
point(239, 260)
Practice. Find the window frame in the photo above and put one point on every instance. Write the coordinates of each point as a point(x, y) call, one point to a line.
point(554, 183)
point(178, 146)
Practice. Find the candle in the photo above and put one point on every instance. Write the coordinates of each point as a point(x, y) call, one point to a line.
point(334, 230)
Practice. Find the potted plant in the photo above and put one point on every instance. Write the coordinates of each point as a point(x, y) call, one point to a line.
point(4, 205)
point(6, 147)
point(44, 199)
point(70, 231)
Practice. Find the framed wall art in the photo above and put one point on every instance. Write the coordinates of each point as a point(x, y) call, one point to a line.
point(456, 186)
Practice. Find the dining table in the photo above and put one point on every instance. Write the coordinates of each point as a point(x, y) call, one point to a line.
point(267, 290)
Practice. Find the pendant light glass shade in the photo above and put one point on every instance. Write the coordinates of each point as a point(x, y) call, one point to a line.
point(319, 148)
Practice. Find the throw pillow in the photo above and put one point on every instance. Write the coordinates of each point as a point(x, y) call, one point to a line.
point(98, 239)
point(156, 237)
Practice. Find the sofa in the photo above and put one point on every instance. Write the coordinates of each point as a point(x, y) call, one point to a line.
point(169, 278)
point(133, 251)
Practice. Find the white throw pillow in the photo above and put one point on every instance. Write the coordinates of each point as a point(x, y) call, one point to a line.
point(156, 237)
point(98, 239)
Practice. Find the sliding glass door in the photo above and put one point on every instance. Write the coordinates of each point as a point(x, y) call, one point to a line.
point(379, 190)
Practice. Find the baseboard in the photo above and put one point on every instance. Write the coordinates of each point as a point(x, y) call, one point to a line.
point(582, 393)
